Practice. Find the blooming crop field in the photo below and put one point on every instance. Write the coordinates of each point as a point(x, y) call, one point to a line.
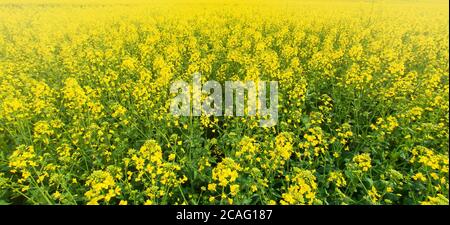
point(363, 103)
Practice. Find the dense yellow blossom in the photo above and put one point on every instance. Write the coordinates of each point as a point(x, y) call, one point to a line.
point(363, 104)
point(363, 161)
point(302, 188)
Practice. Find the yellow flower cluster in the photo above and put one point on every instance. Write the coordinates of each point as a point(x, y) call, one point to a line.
point(344, 133)
point(23, 160)
point(438, 200)
point(363, 161)
point(429, 158)
point(337, 178)
point(102, 187)
point(386, 126)
point(301, 189)
point(225, 175)
point(248, 149)
point(315, 143)
point(283, 149)
point(226, 172)
point(147, 167)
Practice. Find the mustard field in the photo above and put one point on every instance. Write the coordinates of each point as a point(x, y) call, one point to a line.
point(363, 102)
